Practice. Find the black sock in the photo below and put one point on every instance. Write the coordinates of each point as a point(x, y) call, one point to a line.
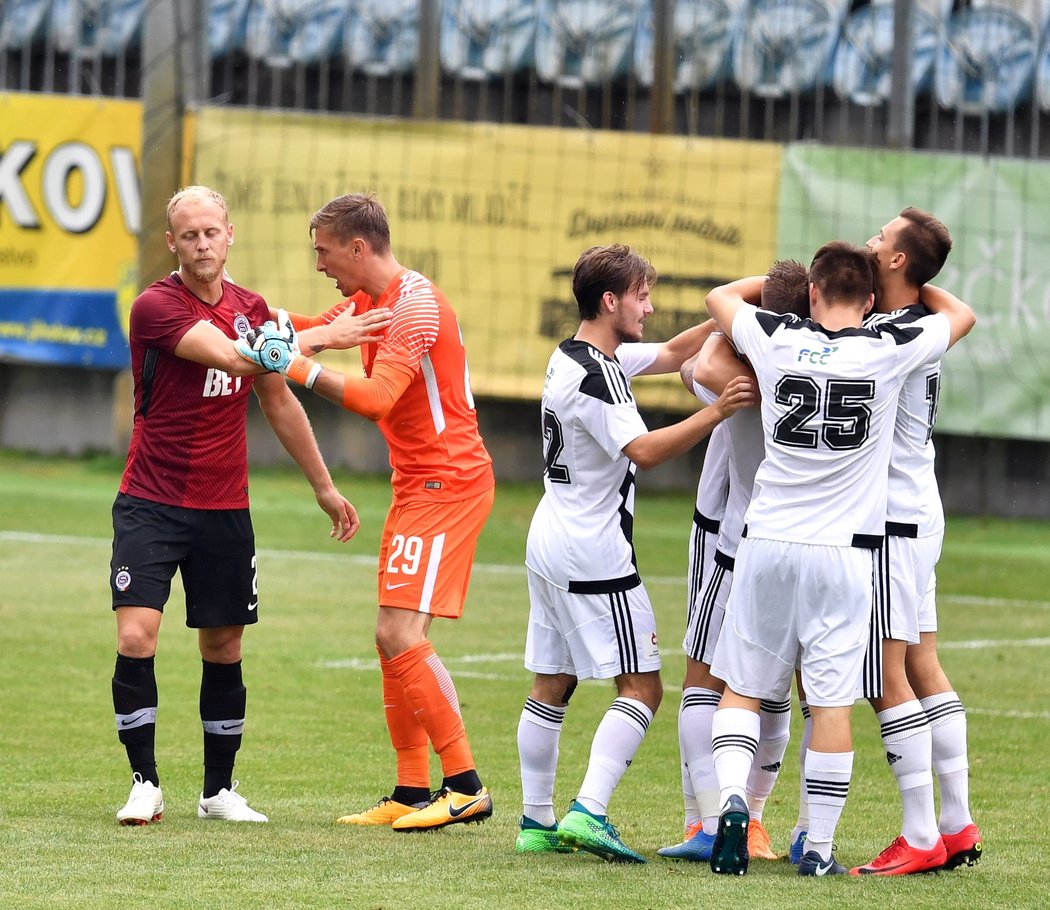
point(467, 782)
point(222, 703)
point(135, 707)
point(410, 796)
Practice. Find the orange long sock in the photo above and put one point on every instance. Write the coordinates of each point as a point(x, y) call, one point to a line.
point(432, 694)
point(407, 734)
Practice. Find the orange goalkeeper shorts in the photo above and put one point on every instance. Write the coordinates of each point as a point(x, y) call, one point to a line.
point(427, 552)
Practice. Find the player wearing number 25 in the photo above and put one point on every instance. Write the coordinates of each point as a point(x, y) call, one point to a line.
point(802, 588)
point(417, 388)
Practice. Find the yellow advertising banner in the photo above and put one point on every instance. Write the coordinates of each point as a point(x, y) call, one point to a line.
point(70, 190)
point(69, 222)
point(497, 216)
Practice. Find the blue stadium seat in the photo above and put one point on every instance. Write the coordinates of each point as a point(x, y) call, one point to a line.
point(988, 61)
point(1042, 74)
point(585, 42)
point(227, 26)
point(863, 68)
point(106, 27)
point(786, 46)
point(282, 32)
point(382, 36)
point(485, 38)
point(23, 22)
point(704, 31)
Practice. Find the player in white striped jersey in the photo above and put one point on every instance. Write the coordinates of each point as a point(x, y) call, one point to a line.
point(803, 577)
point(590, 615)
point(786, 289)
point(712, 491)
point(921, 720)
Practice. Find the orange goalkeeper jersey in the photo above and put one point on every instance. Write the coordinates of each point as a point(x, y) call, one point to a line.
point(436, 450)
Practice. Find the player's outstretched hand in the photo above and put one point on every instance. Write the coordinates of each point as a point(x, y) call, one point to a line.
point(738, 393)
point(348, 330)
point(269, 346)
point(345, 522)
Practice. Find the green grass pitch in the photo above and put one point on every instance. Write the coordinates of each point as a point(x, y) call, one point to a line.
point(316, 745)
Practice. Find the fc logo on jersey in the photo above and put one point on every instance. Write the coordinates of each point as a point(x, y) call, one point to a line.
point(241, 325)
point(816, 357)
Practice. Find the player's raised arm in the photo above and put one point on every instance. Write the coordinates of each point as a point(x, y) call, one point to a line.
point(345, 330)
point(717, 364)
point(959, 314)
point(371, 397)
point(206, 344)
point(675, 351)
point(724, 300)
point(658, 446)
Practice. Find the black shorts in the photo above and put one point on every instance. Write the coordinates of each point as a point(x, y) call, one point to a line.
point(214, 551)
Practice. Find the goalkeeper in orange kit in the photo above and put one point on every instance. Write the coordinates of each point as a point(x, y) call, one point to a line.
point(417, 389)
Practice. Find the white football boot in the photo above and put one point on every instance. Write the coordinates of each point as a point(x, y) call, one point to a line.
point(144, 805)
point(228, 806)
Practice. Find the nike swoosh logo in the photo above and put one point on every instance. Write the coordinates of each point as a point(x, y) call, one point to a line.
point(823, 870)
point(232, 726)
point(391, 587)
point(885, 869)
point(253, 605)
point(456, 813)
point(128, 723)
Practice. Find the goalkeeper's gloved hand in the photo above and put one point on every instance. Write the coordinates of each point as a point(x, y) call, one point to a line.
point(274, 347)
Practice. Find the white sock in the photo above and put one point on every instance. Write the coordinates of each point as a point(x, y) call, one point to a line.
point(774, 733)
point(827, 783)
point(950, 759)
point(905, 734)
point(734, 741)
point(803, 748)
point(539, 732)
point(692, 807)
point(615, 743)
point(698, 710)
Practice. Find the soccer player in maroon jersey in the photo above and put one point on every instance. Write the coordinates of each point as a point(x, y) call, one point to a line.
point(183, 500)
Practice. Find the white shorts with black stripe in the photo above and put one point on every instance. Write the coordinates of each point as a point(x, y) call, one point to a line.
point(589, 635)
point(796, 602)
point(704, 623)
point(906, 570)
point(905, 601)
point(702, 543)
point(928, 609)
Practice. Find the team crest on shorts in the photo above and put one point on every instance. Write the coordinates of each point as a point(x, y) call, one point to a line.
point(653, 650)
point(122, 580)
point(241, 325)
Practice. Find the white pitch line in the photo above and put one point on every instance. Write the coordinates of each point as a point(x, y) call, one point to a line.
point(981, 643)
point(370, 663)
point(1020, 715)
point(968, 600)
point(357, 559)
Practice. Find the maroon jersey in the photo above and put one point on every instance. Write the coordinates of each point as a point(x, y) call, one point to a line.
point(189, 442)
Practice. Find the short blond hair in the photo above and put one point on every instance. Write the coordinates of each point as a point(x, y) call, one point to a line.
point(197, 192)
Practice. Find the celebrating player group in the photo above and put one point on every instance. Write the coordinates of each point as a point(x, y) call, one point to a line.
point(815, 534)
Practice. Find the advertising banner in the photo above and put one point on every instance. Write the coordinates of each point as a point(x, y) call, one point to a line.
point(69, 220)
point(497, 216)
point(997, 379)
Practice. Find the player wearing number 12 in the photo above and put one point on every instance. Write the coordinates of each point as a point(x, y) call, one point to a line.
point(417, 389)
point(590, 615)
